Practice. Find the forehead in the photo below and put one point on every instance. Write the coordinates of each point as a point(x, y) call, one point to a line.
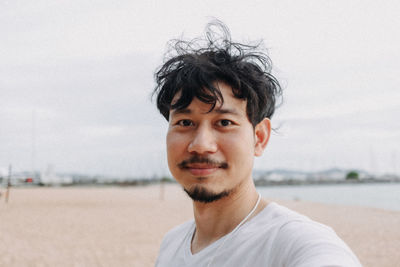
point(228, 104)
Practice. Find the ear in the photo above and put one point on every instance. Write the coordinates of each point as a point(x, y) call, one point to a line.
point(262, 132)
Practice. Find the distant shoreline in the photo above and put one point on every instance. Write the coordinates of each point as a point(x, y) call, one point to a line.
point(323, 182)
point(257, 182)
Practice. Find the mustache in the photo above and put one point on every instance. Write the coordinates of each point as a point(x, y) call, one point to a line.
point(197, 159)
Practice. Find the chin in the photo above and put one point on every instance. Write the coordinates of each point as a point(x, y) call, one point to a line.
point(202, 194)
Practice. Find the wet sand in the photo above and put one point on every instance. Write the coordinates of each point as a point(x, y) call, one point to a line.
point(118, 226)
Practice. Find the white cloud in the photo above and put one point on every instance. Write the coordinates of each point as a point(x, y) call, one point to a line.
point(86, 68)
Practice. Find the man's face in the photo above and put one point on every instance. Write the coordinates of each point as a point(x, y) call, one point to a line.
point(211, 153)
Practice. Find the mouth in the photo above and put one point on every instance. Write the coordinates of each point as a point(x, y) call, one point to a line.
point(201, 169)
point(202, 166)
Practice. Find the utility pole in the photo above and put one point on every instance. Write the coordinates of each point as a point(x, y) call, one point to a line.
point(33, 155)
point(8, 184)
point(162, 188)
point(394, 162)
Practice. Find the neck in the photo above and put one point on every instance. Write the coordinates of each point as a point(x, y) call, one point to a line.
point(216, 219)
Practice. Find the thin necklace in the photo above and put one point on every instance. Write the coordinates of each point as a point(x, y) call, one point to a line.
point(236, 228)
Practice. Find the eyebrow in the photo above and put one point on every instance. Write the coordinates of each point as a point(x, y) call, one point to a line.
point(180, 111)
point(216, 110)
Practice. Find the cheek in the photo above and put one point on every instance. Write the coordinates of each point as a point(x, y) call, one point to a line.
point(175, 147)
point(238, 147)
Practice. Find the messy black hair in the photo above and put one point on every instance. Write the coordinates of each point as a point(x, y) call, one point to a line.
point(193, 69)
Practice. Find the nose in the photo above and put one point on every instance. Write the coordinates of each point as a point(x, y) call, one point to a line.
point(203, 141)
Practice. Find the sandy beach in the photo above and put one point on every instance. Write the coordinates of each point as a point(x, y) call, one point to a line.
point(123, 226)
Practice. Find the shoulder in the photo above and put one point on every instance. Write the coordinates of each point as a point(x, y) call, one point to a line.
point(308, 243)
point(274, 216)
point(172, 247)
point(177, 234)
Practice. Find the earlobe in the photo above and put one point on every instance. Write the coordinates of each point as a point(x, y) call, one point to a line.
point(262, 133)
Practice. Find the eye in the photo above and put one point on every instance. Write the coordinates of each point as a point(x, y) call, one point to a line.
point(225, 123)
point(185, 123)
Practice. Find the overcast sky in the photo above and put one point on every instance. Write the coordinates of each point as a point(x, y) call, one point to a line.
point(76, 79)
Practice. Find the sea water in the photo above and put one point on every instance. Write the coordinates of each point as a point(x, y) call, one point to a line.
point(384, 196)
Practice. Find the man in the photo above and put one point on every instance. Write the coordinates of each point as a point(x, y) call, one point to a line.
point(218, 98)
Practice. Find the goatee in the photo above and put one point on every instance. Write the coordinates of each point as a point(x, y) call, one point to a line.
point(201, 194)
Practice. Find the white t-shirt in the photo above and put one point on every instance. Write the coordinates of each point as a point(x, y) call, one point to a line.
point(275, 237)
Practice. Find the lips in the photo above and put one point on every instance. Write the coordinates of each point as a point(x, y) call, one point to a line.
point(202, 166)
point(201, 169)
